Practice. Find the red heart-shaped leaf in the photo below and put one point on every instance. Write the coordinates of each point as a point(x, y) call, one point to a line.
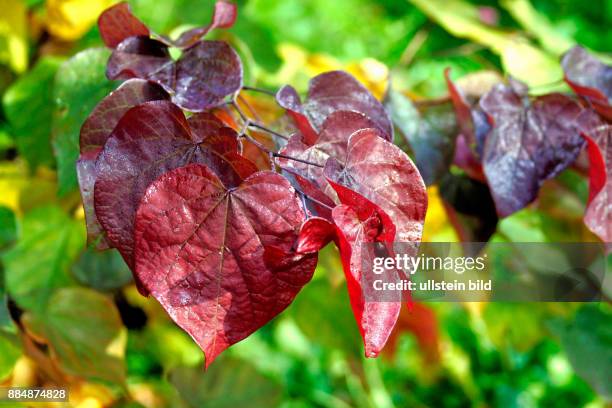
point(201, 252)
point(149, 140)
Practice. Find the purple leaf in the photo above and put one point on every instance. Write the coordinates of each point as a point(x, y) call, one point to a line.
point(202, 78)
point(340, 91)
point(531, 141)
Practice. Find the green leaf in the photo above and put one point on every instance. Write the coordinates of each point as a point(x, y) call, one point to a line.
point(9, 353)
point(28, 105)
point(8, 226)
point(520, 58)
point(227, 383)
point(322, 310)
point(104, 270)
point(84, 331)
point(79, 85)
point(501, 322)
point(539, 25)
point(14, 34)
point(587, 341)
point(38, 264)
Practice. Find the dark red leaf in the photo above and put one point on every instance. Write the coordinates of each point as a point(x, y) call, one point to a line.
point(100, 123)
point(224, 16)
point(598, 216)
point(332, 141)
point(149, 140)
point(385, 175)
point(203, 76)
point(288, 99)
point(315, 233)
point(589, 78)
point(118, 23)
point(340, 91)
point(531, 141)
point(94, 133)
point(201, 252)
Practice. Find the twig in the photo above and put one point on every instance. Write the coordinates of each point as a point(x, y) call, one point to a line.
point(260, 90)
point(314, 200)
point(284, 156)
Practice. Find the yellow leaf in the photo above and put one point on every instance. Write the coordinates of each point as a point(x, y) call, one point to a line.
point(298, 66)
point(520, 58)
point(70, 19)
point(13, 35)
point(437, 226)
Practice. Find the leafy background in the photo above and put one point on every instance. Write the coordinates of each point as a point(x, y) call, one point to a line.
point(71, 316)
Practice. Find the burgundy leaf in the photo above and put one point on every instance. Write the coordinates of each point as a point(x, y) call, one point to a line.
point(102, 120)
point(149, 140)
point(598, 217)
point(118, 23)
point(224, 16)
point(288, 99)
point(531, 141)
point(94, 133)
point(202, 77)
point(589, 78)
point(382, 173)
point(332, 141)
point(315, 233)
point(216, 258)
point(318, 203)
point(340, 91)
point(360, 222)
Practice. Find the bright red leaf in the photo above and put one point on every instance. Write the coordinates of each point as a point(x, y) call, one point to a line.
point(598, 215)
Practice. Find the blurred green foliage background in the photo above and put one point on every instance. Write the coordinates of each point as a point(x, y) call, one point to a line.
point(71, 316)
